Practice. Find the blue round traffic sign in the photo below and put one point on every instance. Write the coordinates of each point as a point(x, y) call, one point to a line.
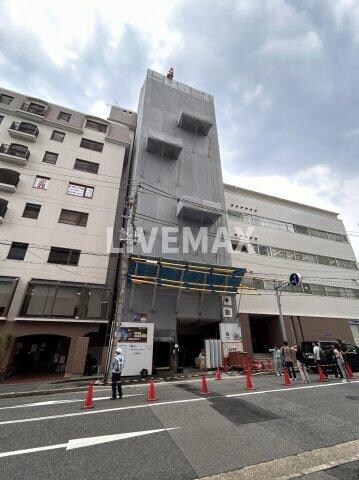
point(295, 279)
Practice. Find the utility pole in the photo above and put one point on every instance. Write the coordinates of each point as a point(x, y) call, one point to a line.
point(278, 290)
point(131, 213)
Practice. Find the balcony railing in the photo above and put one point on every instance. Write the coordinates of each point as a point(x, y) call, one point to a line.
point(3, 207)
point(24, 127)
point(15, 150)
point(9, 177)
point(33, 108)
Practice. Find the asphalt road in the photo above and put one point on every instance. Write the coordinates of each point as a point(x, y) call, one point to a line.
point(184, 435)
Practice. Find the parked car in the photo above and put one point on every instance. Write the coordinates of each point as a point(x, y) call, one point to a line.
point(352, 355)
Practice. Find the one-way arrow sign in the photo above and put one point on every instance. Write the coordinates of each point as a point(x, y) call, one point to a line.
point(86, 442)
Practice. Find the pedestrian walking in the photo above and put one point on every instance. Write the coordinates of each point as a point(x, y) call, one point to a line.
point(117, 365)
point(287, 355)
point(301, 363)
point(319, 358)
point(277, 358)
point(340, 360)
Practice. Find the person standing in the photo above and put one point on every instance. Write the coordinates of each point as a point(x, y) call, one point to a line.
point(287, 355)
point(301, 363)
point(341, 363)
point(318, 357)
point(117, 365)
point(277, 358)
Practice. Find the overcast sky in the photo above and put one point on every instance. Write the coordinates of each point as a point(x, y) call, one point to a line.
point(285, 76)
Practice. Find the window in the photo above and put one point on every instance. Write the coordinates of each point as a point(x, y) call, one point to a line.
point(263, 250)
point(290, 254)
point(64, 256)
point(31, 210)
point(258, 220)
point(86, 166)
point(323, 260)
point(91, 145)
point(307, 288)
point(332, 291)
point(318, 290)
point(308, 257)
point(80, 190)
point(278, 252)
point(300, 229)
point(99, 127)
point(1, 118)
point(258, 284)
point(317, 233)
point(17, 251)
point(41, 183)
point(57, 136)
point(73, 218)
point(7, 286)
point(64, 116)
point(97, 305)
point(50, 157)
point(6, 99)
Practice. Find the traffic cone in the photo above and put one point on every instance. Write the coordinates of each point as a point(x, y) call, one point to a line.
point(88, 403)
point(152, 392)
point(287, 380)
point(321, 375)
point(249, 384)
point(218, 374)
point(349, 371)
point(204, 387)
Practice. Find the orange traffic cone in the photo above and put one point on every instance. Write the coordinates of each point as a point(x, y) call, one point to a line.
point(204, 387)
point(321, 375)
point(249, 384)
point(287, 380)
point(152, 392)
point(88, 403)
point(349, 371)
point(218, 374)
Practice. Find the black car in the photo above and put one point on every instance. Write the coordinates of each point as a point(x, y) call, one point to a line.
point(351, 357)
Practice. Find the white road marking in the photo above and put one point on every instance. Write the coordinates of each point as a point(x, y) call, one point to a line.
point(171, 402)
point(85, 442)
point(61, 402)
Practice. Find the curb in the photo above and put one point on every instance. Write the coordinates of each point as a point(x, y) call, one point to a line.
point(31, 393)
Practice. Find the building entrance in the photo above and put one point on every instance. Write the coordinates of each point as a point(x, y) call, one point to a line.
point(190, 339)
point(265, 332)
point(41, 354)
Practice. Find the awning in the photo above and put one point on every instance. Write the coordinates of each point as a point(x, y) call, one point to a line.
point(198, 210)
point(163, 145)
point(183, 275)
point(194, 122)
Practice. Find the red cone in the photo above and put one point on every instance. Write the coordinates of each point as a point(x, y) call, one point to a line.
point(349, 371)
point(152, 392)
point(321, 375)
point(249, 384)
point(218, 374)
point(204, 387)
point(88, 403)
point(287, 380)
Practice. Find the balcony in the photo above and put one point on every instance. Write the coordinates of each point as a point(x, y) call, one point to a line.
point(14, 153)
point(33, 110)
point(163, 145)
point(198, 210)
point(195, 122)
point(9, 180)
point(24, 131)
point(3, 209)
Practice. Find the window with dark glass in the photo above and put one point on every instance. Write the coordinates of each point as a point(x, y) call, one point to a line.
point(64, 116)
point(31, 210)
point(57, 136)
point(86, 166)
point(99, 127)
point(50, 157)
point(263, 250)
point(1, 118)
point(17, 251)
point(300, 229)
point(6, 99)
point(64, 256)
point(318, 290)
point(91, 145)
point(73, 218)
point(7, 287)
point(65, 300)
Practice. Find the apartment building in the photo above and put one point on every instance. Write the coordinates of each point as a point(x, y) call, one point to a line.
point(60, 194)
point(272, 238)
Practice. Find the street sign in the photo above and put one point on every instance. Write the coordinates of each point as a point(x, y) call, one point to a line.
point(295, 279)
